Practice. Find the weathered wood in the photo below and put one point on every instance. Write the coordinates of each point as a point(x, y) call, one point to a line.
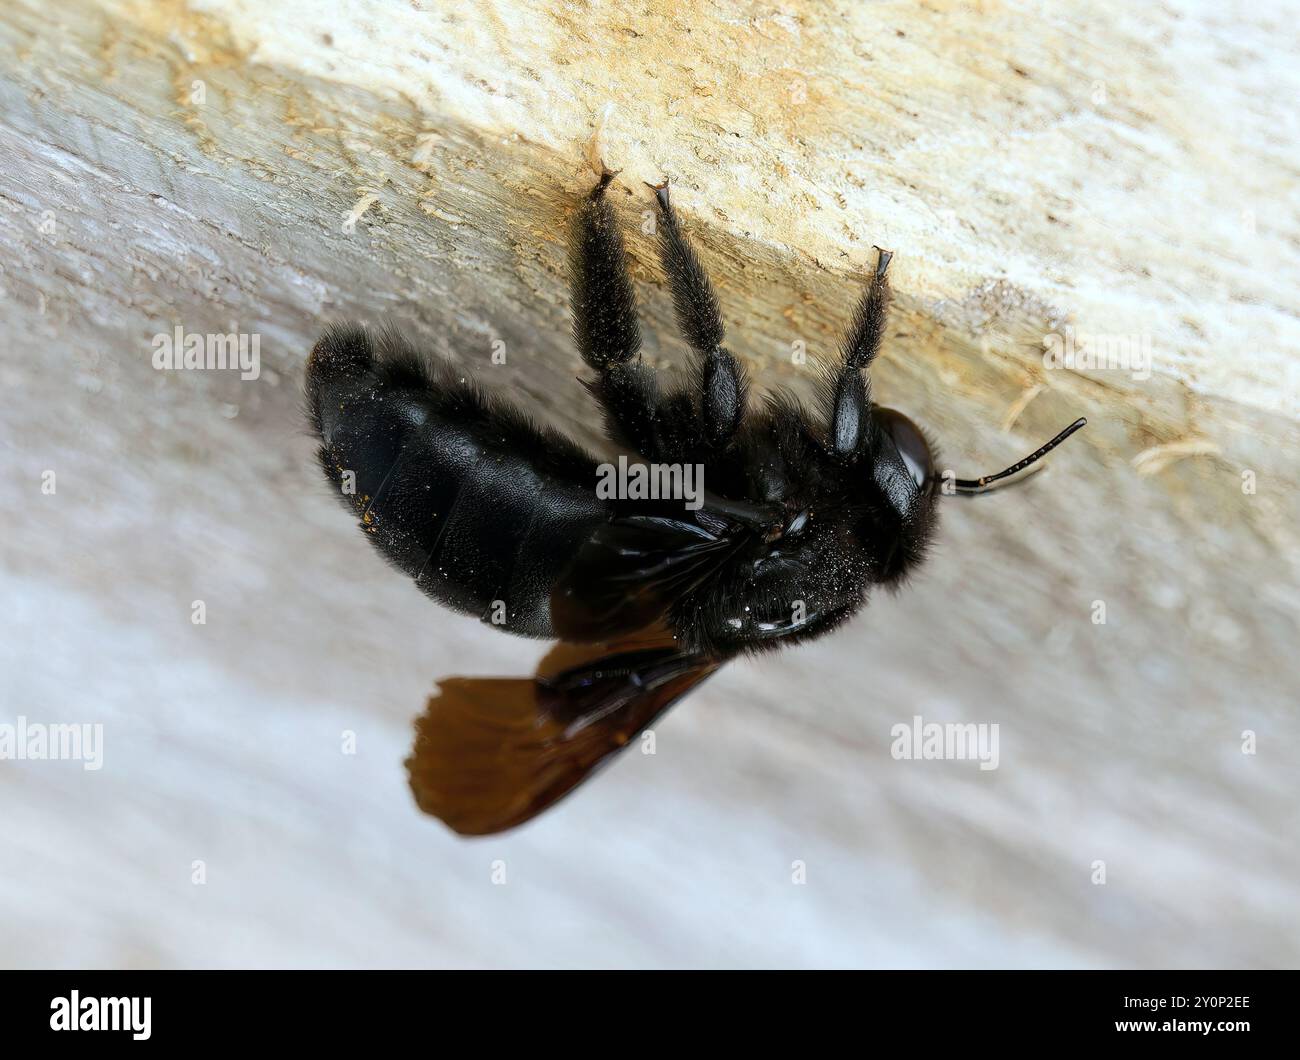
point(254, 167)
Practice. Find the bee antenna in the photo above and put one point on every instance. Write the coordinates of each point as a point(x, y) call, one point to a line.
point(980, 485)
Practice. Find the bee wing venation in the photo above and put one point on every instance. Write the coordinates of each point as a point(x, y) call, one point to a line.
point(491, 753)
point(630, 571)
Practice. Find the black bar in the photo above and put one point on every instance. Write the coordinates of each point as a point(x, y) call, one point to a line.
point(486, 1011)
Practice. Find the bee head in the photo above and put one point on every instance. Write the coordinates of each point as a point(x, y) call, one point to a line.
point(903, 467)
point(912, 449)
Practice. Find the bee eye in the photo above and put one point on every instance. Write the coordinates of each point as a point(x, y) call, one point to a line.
point(910, 443)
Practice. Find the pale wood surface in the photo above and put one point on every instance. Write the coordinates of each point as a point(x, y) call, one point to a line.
point(1019, 197)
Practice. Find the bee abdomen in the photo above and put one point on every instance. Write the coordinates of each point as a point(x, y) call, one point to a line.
point(482, 508)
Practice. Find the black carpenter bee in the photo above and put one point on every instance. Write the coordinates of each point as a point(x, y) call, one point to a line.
point(498, 518)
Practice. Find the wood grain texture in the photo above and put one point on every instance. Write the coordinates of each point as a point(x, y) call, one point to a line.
point(265, 167)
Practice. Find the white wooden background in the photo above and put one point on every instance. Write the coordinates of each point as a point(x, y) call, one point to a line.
point(973, 142)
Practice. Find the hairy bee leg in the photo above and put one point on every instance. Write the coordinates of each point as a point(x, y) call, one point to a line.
point(721, 379)
point(694, 300)
point(849, 393)
point(605, 326)
point(604, 303)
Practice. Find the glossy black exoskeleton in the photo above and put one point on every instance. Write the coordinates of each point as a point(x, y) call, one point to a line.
point(801, 516)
